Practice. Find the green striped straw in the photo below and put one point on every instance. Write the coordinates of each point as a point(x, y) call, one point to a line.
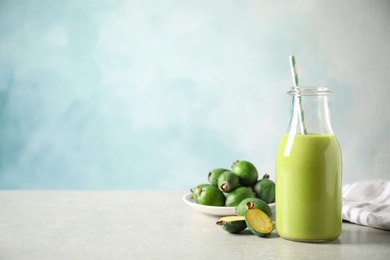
point(294, 75)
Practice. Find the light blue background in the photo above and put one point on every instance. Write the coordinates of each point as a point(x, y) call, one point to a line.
point(154, 94)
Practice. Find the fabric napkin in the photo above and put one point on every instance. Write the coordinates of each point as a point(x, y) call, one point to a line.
point(367, 203)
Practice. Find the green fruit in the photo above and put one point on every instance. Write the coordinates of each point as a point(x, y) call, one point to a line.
point(214, 175)
point(236, 196)
point(211, 196)
point(196, 191)
point(257, 204)
point(257, 221)
point(246, 172)
point(228, 181)
point(265, 189)
point(232, 224)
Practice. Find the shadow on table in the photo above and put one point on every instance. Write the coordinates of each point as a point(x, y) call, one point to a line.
point(248, 232)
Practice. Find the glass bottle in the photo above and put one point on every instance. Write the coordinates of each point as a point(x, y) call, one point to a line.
point(308, 171)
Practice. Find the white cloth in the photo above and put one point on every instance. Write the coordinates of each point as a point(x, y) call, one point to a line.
point(367, 203)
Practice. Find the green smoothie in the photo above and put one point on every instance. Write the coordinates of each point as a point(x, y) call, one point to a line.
point(308, 187)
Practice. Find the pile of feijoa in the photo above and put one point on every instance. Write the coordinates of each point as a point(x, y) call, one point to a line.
point(239, 187)
point(230, 187)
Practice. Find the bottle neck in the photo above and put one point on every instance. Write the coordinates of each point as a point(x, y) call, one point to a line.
point(310, 112)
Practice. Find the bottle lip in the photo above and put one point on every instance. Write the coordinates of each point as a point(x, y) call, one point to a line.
point(309, 91)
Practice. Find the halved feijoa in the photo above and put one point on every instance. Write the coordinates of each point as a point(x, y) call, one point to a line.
point(232, 224)
point(257, 221)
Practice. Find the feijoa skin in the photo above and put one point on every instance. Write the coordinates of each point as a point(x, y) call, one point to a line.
point(211, 196)
point(246, 172)
point(237, 195)
point(265, 189)
point(214, 175)
point(196, 191)
point(228, 181)
point(257, 204)
point(232, 224)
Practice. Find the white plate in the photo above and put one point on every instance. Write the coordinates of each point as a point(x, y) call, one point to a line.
point(214, 210)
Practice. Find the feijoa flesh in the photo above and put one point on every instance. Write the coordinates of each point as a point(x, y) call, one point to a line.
point(257, 221)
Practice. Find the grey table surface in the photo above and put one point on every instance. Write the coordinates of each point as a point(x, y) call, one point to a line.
point(150, 225)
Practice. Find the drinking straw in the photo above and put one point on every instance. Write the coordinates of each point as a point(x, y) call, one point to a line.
point(294, 75)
